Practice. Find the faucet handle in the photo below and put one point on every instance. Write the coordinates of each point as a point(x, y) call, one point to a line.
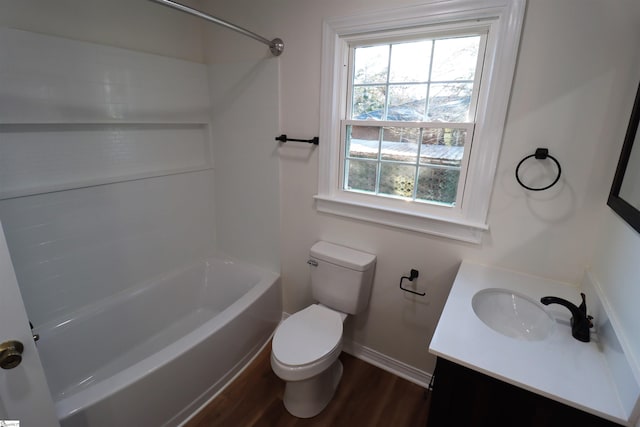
point(583, 305)
point(583, 308)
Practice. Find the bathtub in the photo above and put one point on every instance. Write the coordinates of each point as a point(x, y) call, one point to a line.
point(152, 355)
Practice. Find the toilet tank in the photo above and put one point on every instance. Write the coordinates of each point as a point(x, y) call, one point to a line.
point(341, 277)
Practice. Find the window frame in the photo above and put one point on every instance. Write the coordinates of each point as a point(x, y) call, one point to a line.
point(502, 21)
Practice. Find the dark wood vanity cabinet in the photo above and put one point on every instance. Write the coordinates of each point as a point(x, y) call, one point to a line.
point(463, 397)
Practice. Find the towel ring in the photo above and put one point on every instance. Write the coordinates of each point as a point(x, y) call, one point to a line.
point(541, 154)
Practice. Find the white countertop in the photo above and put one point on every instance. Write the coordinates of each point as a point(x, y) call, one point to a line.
point(558, 367)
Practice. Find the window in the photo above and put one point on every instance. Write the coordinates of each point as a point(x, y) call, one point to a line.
point(413, 106)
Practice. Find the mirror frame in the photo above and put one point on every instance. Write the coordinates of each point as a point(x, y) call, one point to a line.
point(627, 211)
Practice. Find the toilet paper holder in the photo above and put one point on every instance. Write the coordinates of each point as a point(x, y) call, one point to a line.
point(412, 276)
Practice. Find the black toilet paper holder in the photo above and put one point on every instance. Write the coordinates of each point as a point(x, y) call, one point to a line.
point(412, 276)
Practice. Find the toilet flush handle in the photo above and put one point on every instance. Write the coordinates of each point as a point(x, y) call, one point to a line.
point(313, 262)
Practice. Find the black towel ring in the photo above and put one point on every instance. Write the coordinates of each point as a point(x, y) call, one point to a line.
point(541, 154)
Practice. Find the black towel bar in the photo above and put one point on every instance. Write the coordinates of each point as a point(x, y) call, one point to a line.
point(283, 138)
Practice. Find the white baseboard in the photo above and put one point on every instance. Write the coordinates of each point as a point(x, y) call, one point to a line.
point(387, 363)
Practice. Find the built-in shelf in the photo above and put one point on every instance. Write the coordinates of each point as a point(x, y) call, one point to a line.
point(47, 157)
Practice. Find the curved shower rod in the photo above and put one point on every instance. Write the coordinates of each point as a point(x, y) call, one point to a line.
point(276, 46)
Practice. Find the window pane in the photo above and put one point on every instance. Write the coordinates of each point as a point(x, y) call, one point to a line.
point(363, 141)
point(370, 64)
point(362, 175)
point(438, 184)
point(397, 180)
point(410, 62)
point(407, 102)
point(368, 102)
point(455, 59)
point(449, 102)
point(442, 146)
point(400, 144)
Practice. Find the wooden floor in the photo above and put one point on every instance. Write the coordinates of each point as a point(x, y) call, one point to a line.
point(366, 396)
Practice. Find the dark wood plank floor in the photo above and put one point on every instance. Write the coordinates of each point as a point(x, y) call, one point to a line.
point(366, 396)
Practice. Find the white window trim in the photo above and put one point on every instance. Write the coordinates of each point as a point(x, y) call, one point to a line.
point(504, 20)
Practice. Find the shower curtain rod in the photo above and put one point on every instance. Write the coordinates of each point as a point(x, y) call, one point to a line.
point(276, 46)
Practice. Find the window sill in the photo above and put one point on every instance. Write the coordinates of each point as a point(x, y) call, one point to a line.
point(437, 226)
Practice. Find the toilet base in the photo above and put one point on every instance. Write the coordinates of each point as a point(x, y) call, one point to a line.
point(307, 398)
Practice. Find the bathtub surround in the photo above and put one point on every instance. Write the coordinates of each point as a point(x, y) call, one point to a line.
point(106, 175)
point(109, 183)
point(244, 119)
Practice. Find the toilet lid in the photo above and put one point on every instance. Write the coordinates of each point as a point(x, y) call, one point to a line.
point(307, 336)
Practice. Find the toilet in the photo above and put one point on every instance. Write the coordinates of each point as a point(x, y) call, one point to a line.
point(306, 346)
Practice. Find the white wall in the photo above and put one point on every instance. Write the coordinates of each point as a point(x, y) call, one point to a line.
point(571, 88)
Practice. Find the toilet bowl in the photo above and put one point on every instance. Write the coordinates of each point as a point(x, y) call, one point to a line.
point(306, 346)
point(305, 350)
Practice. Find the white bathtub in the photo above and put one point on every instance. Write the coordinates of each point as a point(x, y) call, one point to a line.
point(152, 355)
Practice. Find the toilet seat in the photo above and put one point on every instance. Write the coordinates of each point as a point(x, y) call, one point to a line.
point(308, 336)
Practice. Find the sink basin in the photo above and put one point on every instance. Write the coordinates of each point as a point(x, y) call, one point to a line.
point(512, 314)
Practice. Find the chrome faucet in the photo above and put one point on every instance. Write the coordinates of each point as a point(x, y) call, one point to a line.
point(580, 321)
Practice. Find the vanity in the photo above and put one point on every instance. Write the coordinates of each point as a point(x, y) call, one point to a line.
point(504, 359)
